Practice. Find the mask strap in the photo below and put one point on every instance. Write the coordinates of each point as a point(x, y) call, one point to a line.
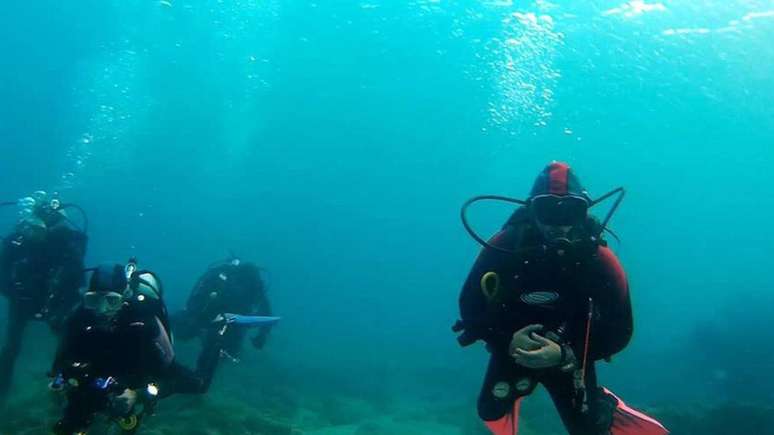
point(137, 280)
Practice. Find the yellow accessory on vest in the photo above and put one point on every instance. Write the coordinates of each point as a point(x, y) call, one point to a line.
point(490, 285)
point(128, 423)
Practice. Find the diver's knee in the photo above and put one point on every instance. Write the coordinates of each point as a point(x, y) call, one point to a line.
point(495, 402)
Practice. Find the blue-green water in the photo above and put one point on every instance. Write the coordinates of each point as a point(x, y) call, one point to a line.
point(333, 143)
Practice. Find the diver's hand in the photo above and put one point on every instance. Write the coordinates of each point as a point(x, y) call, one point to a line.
point(123, 403)
point(56, 384)
point(549, 354)
point(523, 339)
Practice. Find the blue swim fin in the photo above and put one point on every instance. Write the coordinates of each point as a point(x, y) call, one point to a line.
point(239, 319)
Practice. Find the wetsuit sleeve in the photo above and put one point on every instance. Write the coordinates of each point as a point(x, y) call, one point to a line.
point(158, 353)
point(474, 311)
point(70, 248)
point(199, 295)
point(179, 379)
point(612, 325)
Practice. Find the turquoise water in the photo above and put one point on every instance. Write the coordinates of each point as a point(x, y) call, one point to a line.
point(333, 143)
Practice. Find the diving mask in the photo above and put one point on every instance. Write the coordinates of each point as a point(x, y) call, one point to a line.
point(102, 302)
point(559, 211)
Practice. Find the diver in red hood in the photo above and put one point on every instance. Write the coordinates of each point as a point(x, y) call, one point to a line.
point(549, 299)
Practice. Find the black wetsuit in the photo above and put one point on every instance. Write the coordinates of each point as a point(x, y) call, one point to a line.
point(538, 286)
point(40, 277)
point(225, 288)
point(135, 350)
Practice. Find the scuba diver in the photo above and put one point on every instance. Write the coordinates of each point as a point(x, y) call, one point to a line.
point(41, 271)
point(550, 299)
point(116, 356)
point(231, 286)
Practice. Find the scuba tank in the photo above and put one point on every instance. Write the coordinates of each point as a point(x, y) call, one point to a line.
point(145, 289)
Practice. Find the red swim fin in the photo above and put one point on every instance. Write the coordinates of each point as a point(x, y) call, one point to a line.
point(629, 421)
point(508, 425)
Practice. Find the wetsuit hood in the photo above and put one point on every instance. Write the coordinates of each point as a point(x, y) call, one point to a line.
point(558, 179)
point(558, 204)
point(108, 277)
point(105, 295)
